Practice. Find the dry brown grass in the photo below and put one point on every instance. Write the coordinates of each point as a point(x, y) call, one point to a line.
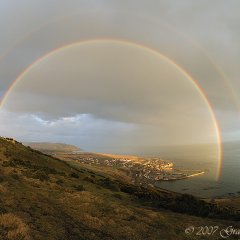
point(13, 228)
point(53, 208)
point(3, 189)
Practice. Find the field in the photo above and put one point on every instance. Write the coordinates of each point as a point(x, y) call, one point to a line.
point(42, 197)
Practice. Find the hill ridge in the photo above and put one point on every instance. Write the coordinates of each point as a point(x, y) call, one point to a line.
point(49, 198)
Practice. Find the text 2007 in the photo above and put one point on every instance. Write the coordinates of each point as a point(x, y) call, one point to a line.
point(206, 230)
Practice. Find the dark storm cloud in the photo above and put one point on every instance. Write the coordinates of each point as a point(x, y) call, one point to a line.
point(113, 82)
point(195, 34)
point(41, 27)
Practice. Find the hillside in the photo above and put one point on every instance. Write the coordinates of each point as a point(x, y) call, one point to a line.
point(42, 197)
point(46, 147)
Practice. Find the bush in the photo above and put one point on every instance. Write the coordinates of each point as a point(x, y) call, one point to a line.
point(6, 164)
point(1, 178)
point(108, 183)
point(41, 176)
point(74, 175)
point(80, 188)
point(12, 228)
point(15, 176)
point(117, 195)
point(89, 179)
point(59, 182)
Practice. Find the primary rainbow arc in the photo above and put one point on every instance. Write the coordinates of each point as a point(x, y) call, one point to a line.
point(127, 42)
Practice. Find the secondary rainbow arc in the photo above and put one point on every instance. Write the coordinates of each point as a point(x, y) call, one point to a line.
point(127, 42)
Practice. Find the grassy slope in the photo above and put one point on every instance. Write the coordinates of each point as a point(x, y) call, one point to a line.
point(52, 147)
point(45, 198)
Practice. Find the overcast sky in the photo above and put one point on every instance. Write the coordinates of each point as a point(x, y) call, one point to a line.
point(106, 93)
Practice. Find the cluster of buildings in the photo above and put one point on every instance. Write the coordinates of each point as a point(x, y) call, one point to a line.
point(142, 170)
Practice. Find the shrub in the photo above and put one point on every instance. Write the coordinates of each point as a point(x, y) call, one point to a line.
point(108, 183)
point(1, 178)
point(89, 179)
point(74, 175)
point(41, 176)
point(117, 195)
point(12, 228)
point(80, 188)
point(59, 182)
point(6, 164)
point(15, 176)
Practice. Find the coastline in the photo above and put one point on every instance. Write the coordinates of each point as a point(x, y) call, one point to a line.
point(142, 170)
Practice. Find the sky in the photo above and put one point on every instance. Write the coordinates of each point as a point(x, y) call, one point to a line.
point(128, 82)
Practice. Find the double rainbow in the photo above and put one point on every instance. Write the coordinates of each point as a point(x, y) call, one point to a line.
point(130, 43)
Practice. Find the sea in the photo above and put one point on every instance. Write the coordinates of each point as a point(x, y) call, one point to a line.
point(199, 157)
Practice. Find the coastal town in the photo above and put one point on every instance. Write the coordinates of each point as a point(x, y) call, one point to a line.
point(142, 170)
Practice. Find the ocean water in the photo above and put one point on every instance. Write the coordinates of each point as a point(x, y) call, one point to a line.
point(199, 157)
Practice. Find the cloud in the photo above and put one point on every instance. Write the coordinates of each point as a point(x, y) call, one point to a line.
point(178, 30)
point(108, 78)
point(187, 32)
point(82, 130)
point(117, 83)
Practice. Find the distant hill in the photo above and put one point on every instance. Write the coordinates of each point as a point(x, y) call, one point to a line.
point(44, 198)
point(52, 148)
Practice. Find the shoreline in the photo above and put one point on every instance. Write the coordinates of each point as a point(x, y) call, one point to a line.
point(183, 177)
point(142, 170)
